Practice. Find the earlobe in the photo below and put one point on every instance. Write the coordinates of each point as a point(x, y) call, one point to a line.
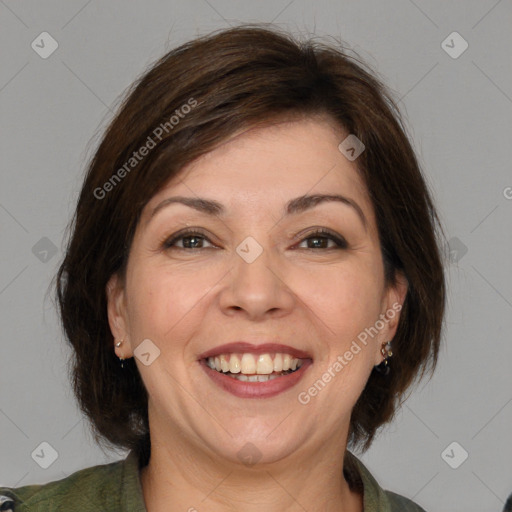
point(394, 301)
point(383, 366)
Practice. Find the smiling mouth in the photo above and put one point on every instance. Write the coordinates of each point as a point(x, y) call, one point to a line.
point(247, 367)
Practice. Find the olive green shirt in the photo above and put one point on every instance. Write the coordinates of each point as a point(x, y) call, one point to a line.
point(116, 487)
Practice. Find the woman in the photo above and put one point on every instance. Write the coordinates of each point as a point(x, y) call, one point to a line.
point(255, 242)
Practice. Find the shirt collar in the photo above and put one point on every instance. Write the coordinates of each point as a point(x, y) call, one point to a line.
point(132, 496)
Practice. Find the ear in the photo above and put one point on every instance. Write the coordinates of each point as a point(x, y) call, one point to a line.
point(118, 315)
point(392, 304)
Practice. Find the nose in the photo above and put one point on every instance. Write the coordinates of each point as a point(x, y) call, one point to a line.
point(259, 287)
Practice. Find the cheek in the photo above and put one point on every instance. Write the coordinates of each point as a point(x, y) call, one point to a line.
point(161, 300)
point(346, 298)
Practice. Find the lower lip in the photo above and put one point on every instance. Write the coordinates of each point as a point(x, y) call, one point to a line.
point(256, 389)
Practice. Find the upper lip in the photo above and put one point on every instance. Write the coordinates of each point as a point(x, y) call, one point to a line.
point(264, 348)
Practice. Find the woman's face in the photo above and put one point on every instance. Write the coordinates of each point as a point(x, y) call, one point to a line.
point(257, 274)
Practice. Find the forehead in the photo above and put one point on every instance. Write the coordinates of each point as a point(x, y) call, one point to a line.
point(265, 166)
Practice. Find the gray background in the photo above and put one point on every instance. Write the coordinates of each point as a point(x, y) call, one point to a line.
point(459, 114)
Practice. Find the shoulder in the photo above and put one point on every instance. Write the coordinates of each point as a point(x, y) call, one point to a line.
point(94, 488)
point(376, 499)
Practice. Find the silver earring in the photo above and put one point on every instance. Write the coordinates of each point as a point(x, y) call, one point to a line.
point(118, 344)
point(385, 350)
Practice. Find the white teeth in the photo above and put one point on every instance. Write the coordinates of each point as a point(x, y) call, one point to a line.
point(224, 365)
point(234, 364)
point(245, 378)
point(278, 363)
point(265, 365)
point(248, 364)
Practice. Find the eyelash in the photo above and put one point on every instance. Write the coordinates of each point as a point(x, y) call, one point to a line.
point(319, 233)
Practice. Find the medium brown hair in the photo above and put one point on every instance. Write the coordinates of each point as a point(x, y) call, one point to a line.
point(235, 79)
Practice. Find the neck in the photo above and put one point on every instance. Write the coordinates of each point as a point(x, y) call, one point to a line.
point(182, 476)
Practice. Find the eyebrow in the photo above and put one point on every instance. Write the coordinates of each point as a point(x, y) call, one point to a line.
point(293, 207)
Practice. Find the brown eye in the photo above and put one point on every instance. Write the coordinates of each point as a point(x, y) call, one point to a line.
point(192, 239)
point(322, 238)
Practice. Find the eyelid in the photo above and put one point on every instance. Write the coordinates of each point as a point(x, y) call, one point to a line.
point(315, 230)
